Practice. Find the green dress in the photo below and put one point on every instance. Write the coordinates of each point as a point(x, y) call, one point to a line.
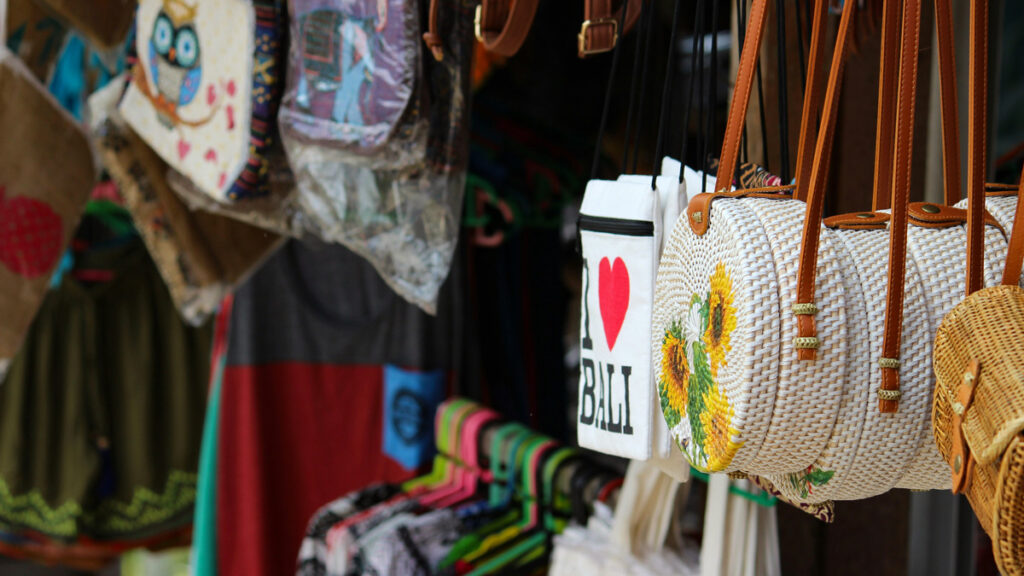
point(101, 412)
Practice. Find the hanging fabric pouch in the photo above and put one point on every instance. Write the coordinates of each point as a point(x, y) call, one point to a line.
point(204, 89)
point(619, 231)
point(41, 199)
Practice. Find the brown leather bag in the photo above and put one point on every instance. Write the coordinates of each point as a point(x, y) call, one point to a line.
point(978, 407)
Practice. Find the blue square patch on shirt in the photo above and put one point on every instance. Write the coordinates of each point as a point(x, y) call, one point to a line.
point(410, 400)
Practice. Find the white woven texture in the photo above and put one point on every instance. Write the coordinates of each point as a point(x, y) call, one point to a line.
point(809, 393)
point(748, 376)
point(940, 255)
point(836, 459)
point(887, 443)
point(1002, 208)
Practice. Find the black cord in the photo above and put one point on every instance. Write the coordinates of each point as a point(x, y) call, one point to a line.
point(741, 28)
point(697, 27)
point(648, 15)
point(608, 97)
point(800, 46)
point(701, 134)
point(666, 92)
point(632, 95)
point(712, 116)
point(783, 90)
point(760, 105)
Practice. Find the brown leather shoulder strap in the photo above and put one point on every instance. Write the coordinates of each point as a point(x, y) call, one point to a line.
point(889, 393)
point(887, 94)
point(816, 188)
point(741, 95)
point(813, 95)
point(977, 141)
point(1015, 252)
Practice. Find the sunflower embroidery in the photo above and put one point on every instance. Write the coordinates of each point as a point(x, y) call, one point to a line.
point(719, 433)
point(675, 376)
point(721, 318)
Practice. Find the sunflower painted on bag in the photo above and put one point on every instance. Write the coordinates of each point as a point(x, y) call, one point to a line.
point(719, 433)
point(721, 317)
point(691, 353)
point(675, 376)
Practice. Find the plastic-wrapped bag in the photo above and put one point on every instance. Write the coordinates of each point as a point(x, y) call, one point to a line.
point(405, 221)
point(354, 80)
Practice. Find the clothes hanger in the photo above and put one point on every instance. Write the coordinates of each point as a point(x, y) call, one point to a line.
point(532, 534)
point(520, 457)
point(498, 497)
point(468, 473)
point(441, 419)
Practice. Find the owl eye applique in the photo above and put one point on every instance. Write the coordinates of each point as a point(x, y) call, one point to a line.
point(187, 47)
point(163, 34)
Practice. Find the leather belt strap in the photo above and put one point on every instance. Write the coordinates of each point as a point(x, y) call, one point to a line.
point(887, 95)
point(740, 99)
point(812, 100)
point(977, 142)
point(1015, 252)
point(910, 42)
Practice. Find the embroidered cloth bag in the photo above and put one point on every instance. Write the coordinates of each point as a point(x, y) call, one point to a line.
point(619, 227)
point(205, 89)
point(41, 199)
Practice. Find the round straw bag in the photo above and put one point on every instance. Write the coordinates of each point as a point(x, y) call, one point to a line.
point(978, 410)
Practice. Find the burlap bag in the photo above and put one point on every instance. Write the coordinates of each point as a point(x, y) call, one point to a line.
point(46, 174)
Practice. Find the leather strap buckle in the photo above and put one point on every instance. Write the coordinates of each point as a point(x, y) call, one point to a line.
point(582, 36)
point(960, 459)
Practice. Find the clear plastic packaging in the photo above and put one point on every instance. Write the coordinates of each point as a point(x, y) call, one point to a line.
point(354, 80)
point(403, 220)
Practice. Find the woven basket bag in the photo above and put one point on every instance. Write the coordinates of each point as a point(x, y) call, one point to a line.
point(770, 328)
point(978, 410)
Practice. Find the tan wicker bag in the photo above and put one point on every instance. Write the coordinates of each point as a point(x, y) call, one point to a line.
point(978, 409)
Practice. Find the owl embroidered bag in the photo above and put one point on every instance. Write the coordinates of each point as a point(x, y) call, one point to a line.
point(204, 89)
point(46, 174)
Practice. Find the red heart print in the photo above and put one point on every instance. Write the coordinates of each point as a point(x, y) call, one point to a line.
point(183, 148)
point(230, 111)
point(211, 95)
point(613, 297)
point(231, 88)
point(211, 155)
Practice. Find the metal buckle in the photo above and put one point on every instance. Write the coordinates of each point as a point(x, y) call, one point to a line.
point(476, 22)
point(582, 37)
